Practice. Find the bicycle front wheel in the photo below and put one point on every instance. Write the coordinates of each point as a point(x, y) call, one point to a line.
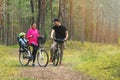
point(23, 58)
point(42, 58)
point(55, 58)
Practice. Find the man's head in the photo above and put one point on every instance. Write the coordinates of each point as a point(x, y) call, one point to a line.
point(56, 22)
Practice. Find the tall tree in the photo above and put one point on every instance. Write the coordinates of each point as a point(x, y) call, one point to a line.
point(32, 9)
point(39, 14)
point(51, 8)
point(71, 20)
point(1, 14)
point(83, 21)
point(92, 30)
point(1, 21)
point(116, 7)
point(8, 23)
point(43, 15)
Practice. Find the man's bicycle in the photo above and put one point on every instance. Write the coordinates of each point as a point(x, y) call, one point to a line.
point(57, 52)
point(25, 56)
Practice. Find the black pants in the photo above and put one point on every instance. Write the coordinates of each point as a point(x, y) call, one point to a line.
point(35, 48)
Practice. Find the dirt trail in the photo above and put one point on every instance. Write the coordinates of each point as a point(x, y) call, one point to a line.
point(63, 72)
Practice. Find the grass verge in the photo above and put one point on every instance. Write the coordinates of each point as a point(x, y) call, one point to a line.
point(101, 61)
point(9, 65)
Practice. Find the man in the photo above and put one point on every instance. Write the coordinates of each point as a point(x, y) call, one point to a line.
point(59, 32)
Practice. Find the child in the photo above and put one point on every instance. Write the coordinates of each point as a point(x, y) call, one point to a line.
point(22, 41)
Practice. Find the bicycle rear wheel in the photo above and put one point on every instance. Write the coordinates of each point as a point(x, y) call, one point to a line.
point(23, 58)
point(55, 58)
point(42, 58)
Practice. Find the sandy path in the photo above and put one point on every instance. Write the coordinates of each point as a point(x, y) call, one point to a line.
point(63, 72)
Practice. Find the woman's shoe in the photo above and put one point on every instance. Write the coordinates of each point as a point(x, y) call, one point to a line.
point(33, 65)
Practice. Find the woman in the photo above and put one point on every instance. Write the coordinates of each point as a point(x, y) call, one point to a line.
point(32, 36)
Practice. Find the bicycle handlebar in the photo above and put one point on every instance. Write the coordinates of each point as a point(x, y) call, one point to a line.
point(59, 40)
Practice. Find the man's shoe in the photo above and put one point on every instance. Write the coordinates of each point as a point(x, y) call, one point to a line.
point(60, 63)
point(50, 60)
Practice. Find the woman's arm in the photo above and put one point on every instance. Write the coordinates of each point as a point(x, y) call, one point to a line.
point(28, 34)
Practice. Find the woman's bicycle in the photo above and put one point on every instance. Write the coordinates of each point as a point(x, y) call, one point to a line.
point(57, 51)
point(25, 56)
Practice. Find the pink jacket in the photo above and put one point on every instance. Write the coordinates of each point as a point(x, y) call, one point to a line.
point(32, 36)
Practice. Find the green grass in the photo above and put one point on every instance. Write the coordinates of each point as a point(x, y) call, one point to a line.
point(9, 65)
point(101, 61)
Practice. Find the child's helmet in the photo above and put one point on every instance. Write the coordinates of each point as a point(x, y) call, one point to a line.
point(21, 34)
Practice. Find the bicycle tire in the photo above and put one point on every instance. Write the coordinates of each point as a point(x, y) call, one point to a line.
point(42, 58)
point(24, 61)
point(55, 58)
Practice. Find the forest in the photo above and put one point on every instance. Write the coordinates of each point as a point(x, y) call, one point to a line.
point(86, 20)
point(92, 51)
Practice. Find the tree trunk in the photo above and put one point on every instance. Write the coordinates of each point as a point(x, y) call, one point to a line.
point(92, 26)
point(1, 14)
point(83, 21)
point(39, 14)
point(116, 6)
point(60, 16)
point(43, 14)
point(51, 11)
point(1, 22)
point(8, 24)
point(97, 22)
point(71, 20)
point(59, 12)
point(32, 9)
